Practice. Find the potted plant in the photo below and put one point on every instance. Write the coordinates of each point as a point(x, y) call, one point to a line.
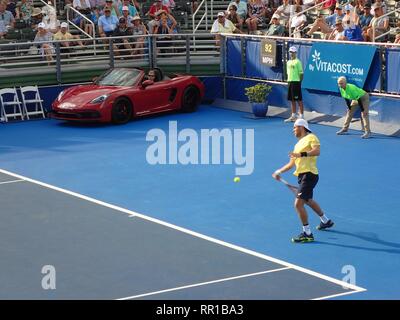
point(258, 97)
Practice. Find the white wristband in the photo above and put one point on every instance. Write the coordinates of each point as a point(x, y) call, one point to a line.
point(278, 172)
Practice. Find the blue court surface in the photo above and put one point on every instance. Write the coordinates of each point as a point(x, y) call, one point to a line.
point(86, 200)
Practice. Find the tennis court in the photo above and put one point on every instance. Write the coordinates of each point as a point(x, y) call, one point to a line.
point(85, 200)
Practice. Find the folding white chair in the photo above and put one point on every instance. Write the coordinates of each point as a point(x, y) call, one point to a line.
point(30, 96)
point(9, 100)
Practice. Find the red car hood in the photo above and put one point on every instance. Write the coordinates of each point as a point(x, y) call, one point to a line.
point(81, 95)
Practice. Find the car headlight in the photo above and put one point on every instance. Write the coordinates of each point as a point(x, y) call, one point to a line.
point(60, 95)
point(99, 99)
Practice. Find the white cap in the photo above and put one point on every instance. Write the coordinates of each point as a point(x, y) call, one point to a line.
point(348, 7)
point(125, 8)
point(302, 123)
point(42, 25)
point(64, 25)
point(292, 49)
point(221, 14)
point(276, 16)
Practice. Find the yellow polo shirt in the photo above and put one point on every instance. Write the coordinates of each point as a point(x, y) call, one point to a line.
point(306, 164)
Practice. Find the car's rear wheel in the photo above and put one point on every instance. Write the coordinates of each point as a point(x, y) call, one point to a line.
point(190, 99)
point(121, 111)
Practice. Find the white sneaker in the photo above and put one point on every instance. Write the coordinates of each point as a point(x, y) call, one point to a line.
point(342, 131)
point(290, 119)
point(366, 135)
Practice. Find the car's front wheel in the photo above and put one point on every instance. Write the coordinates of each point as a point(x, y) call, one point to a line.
point(190, 99)
point(121, 111)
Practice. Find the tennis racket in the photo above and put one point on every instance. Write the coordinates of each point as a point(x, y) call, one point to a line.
point(291, 187)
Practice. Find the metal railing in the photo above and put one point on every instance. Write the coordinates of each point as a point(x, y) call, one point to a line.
point(301, 12)
point(48, 5)
point(374, 38)
point(22, 58)
point(70, 21)
point(204, 16)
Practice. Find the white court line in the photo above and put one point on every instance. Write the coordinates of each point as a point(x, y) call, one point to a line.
point(11, 181)
point(334, 295)
point(204, 283)
point(192, 233)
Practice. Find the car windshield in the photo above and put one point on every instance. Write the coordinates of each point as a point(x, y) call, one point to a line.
point(119, 77)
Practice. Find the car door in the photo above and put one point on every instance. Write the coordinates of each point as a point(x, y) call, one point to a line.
point(154, 98)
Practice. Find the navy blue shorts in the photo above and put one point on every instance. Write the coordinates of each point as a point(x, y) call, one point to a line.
point(307, 182)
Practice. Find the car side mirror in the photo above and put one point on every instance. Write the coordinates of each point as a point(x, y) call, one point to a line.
point(147, 83)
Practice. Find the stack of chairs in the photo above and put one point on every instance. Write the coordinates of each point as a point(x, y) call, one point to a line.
point(13, 108)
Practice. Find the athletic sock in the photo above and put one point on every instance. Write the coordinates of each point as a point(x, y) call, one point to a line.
point(301, 116)
point(324, 218)
point(293, 115)
point(306, 229)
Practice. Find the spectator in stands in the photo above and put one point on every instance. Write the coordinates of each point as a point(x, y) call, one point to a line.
point(11, 6)
point(328, 24)
point(127, 16)
point(138, 29)
point(365, 19)
point(122, 31)
point(50, 19)
point(195, 5)
point(378, 4)
point(298, 22)
point(349, 16)
point(64, 35)
point(256, 13)
point(355, 97)
point(107, 23)
point(157, 6)
point(36, 17)
point(7, 20)
point(275, 28)
point(113, 7)
point(397, 38)
point(284, 11)
point(241, 8)
point(164, 30)
point(359, 7)
point(170, 20)
point(170, 4)
point(337, 33)
point(353, 32)
point(132, 9)
point(24, 10)
point(85, 8)
point(46, 48)
point(222, 25)
point(382, 25)
point(293, 7)
point(234, 16)
point(327, 5)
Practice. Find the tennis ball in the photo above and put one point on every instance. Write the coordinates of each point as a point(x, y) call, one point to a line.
point(236, 179)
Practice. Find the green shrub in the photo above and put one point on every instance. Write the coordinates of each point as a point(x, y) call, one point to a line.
point(258, 93)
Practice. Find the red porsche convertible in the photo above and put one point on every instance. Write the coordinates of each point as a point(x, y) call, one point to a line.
point(123, 93)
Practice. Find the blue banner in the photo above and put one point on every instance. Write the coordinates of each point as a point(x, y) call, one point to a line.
point(328, 61)
point(392, 69)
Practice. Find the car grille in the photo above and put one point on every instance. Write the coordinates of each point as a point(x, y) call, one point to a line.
point(82, 115)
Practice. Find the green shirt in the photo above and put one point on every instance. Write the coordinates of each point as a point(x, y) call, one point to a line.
point(351, 92)
point(294, 70)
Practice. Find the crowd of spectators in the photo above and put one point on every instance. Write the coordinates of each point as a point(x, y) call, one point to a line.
point(334, 19)
point(350, 20)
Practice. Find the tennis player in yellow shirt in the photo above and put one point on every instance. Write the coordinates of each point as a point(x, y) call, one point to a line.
point(304, 157)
